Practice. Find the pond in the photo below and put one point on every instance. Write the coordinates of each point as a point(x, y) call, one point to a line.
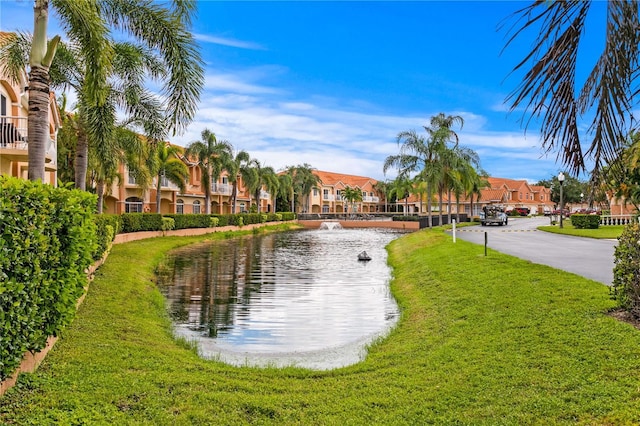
point(298, 298)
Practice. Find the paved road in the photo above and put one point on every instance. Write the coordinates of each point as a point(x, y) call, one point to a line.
point(587, 257)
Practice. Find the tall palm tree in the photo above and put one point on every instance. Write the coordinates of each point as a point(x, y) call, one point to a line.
point(211, 156)
point(258, 177)
point(382, 187)
point(303, 181)
point(236, 167)
point(550, 89)
point(161, 28)
point(285, 189)
point(166, 164)
point(426, 156)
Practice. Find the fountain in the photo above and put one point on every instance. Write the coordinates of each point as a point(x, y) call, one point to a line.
point(330, 225)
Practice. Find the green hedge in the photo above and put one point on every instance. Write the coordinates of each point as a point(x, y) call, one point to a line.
point(186, 221)
point(585, 221)
point(108, 226)
point(137, 222)
point(626, 273)
point(47, 240)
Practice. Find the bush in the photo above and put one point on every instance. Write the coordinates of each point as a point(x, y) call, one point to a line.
point(406, 218)
point(47, 240)
point(585, 221)
point(186, 221)
point(168, 223)
point(626, 273)
point(213, 222)
point(108, 226)
point(136, 222)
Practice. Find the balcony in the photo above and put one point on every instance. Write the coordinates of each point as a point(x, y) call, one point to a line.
point(329, 197)
point(13, 140)
point(368, 199)
point(264, 195)
point(13, 133)
point(221, 188)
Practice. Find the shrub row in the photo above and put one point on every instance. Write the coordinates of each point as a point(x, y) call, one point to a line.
point(585, 221)
point(626, 272)
point(47, 240)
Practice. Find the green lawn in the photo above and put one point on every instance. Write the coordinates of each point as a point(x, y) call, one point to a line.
point(481, 340)
point(606, 232)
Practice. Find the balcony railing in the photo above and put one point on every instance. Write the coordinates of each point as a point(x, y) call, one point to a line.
point(329, 197)
point(368, 199)
point(13, 132)
point(264, 195)
point(221, 188)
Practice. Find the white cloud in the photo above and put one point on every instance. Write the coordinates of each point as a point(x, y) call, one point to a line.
point(225, 41)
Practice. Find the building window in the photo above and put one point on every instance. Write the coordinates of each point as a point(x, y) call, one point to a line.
point(180, 207)
point(225, 180)
point(196, 207)
point(325, 209)
point(326, 194)
point(164, 181)
point(315, 192)
point(132, 178)
point(133, 205)
point(243, 207)
point(3, 106)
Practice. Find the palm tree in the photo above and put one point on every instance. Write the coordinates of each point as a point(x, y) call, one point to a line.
point(211, 156)
point(285, 189)
point(381, 188)
point(426, 156)
point(258, 177)
point(167, 165)
point(236, 167)
point(303, 181)
point(401, 188)
point(162, 29)
point(550, 89)
point(352, 196)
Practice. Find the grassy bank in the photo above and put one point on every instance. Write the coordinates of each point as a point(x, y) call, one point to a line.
point(604, 232)
point(482, 340)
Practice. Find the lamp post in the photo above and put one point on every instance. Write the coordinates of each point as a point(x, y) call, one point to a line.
point(581, 201)
point(561, 181)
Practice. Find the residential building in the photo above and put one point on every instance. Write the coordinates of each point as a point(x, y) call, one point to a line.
point(327, 197)
point(14, 143)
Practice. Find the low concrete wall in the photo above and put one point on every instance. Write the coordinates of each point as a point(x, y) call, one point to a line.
point(314, 224)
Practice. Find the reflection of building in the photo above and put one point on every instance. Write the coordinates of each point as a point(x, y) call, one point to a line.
point(327, 198)
point(14, 143)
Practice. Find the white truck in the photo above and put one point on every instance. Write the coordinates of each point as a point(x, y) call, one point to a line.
point(493, 215)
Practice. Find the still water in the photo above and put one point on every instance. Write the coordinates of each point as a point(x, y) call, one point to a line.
point(294, 298)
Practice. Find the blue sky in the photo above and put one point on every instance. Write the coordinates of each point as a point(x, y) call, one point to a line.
point(332, 83)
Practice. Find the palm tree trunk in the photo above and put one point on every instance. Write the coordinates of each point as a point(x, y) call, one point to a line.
point(158, 194)
point(457, 209)
point(100, 193)
point(38, 121)
point(440, 206)
point(449, 205)
point(234, 194)
point(81, 161)
point(471, 206)
point(429, 205)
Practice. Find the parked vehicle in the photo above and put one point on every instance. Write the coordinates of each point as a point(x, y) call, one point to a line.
point(493, 215)
point(524, 211)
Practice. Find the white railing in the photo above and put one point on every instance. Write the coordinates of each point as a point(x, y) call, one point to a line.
point(221, 188)
point(369, 199)
point(329, 197)
point(13, 132)
point(620, 219)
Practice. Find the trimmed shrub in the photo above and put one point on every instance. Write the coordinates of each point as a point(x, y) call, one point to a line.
point(405, 218)
point(47, 240)
point(585, 221)
point(136, 222)
point(186, 221)
point(213, 222)
point(108, 226)
point(626, 273)
point(168, 223)
point(288, 216)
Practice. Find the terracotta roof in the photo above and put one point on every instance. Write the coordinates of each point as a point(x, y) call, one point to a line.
point(341, 179)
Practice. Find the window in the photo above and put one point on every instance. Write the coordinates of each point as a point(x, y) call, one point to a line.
point(326, 194)
point(180, 207)
point(3, 106)
point(164, 181)
point(243, 207)
point(225, 180)
point(315, 192)
point(364, 194)
point(325, 209)
point(196, 207)
point(132, 178)
point(133, 205)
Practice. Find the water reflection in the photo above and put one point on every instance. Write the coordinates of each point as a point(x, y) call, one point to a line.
point(294, 298)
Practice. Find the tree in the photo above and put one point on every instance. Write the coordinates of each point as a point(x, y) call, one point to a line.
point(211, 157)
point(571, 189)
point(550, 90)
point(160, 28)
point(303, 181)
point(166, 164)
point(352, 196)
point(261, 176)
point(285, 190)
point(428, 156)
point(401, 188)
point(382, 188)
point(236, 167)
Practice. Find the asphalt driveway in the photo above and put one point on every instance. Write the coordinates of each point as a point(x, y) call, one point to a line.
point(587, 257)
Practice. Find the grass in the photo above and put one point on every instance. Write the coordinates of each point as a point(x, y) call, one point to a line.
point(481, 340)
point(603, 232)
